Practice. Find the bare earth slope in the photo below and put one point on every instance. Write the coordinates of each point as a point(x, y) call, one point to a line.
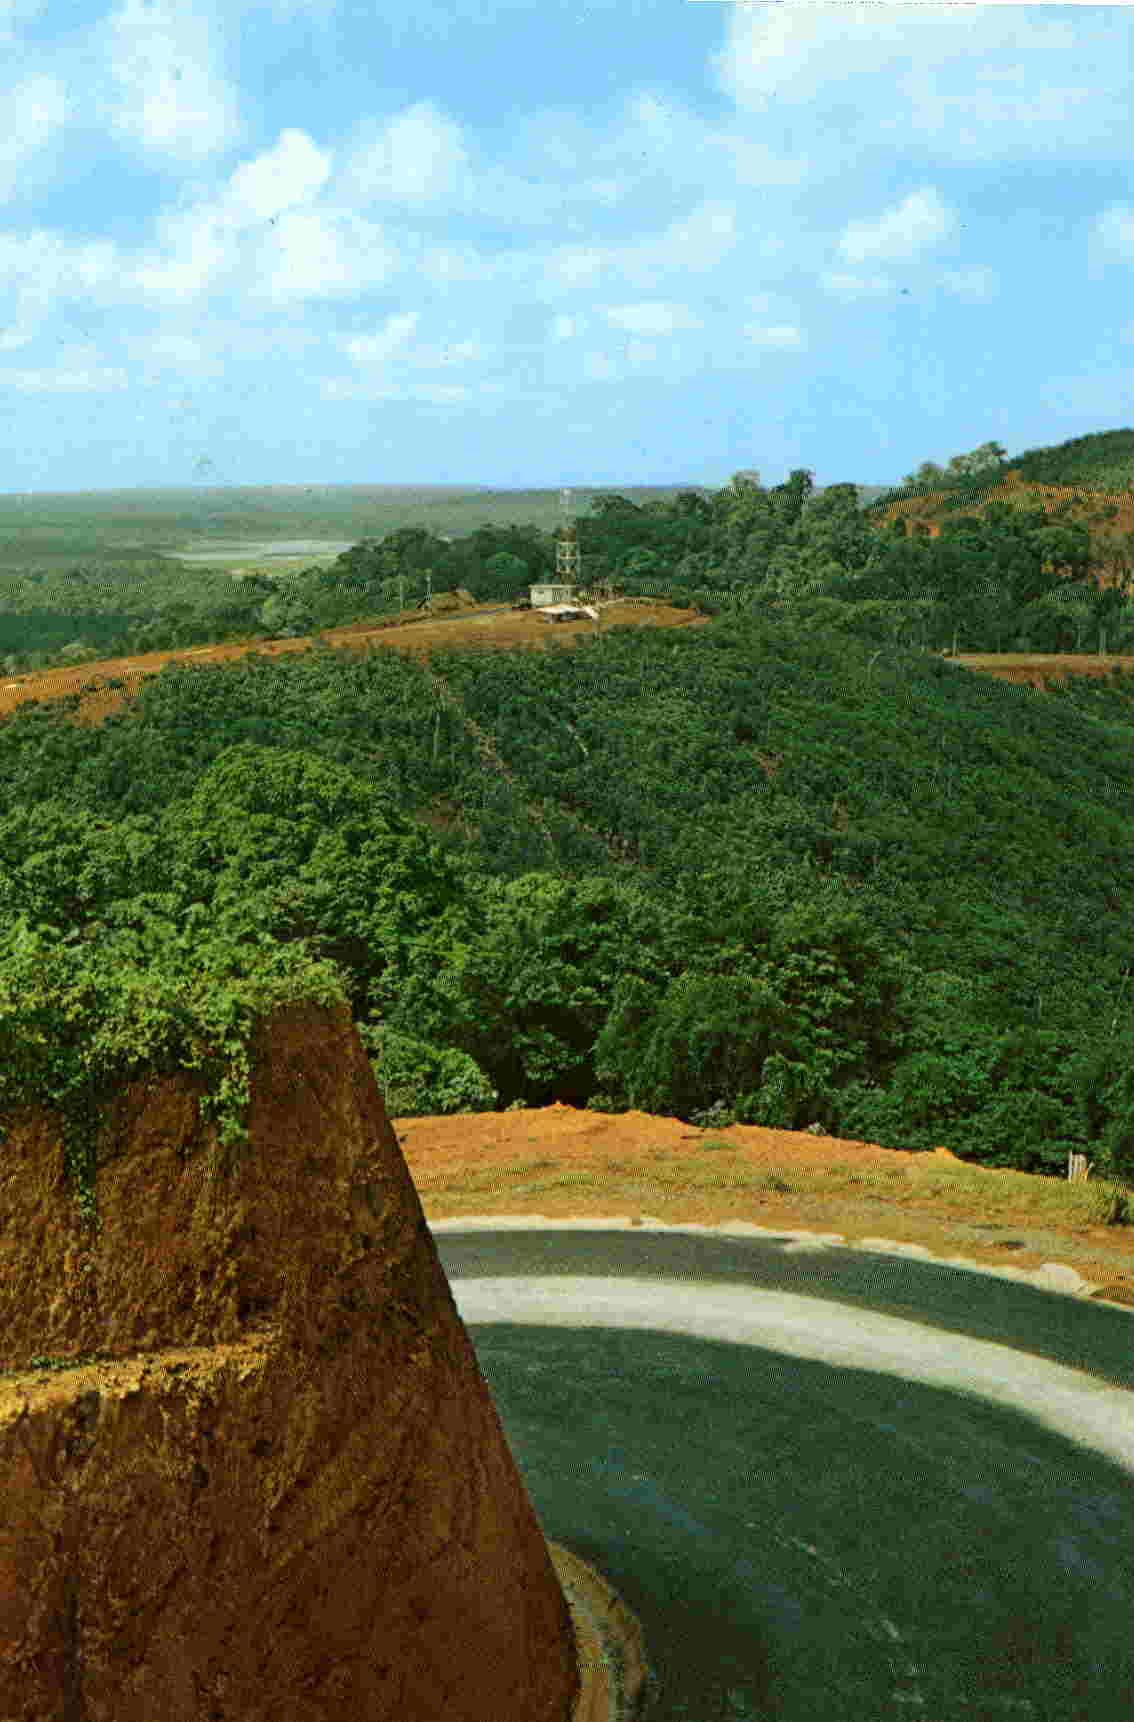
point(285, 1490)
point(487, 625)
point(566, 1163)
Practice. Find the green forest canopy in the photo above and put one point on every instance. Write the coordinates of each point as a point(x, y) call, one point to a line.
point(791, 866)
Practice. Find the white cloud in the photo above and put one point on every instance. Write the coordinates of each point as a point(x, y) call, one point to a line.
point(165, 91)
point(651, 318)
point(751, 162)
point(48, 265)
point(450, 353)
point(977, 285)
point(605, 191)
point(416, 158)
point(35, 111)
point(289, 173)
point(598, 368)
point(41, 270)
point(855, 286)
point(783, 335)
point(434, 394)
point(195, 247)
point(1114, 230)
point(698, 241)
point(78, 370)
point(576, 265)
point(373, 349)
point(966, 81)
point(455, 263)
point(910, 227)
point(564, 328)
point(167, 350)
point(254, 227)
point(319, 254)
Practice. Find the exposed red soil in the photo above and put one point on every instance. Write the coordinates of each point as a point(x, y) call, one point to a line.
point(1038, 668)
point(285, 1490)
point(565, 1163)
point(475, 627)
point(924, 510)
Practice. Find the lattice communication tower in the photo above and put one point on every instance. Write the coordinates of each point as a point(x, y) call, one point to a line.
point(567, 559)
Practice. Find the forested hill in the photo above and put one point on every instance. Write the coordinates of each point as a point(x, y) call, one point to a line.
point(759, 868)
point(1101, 464)
point(788, 866)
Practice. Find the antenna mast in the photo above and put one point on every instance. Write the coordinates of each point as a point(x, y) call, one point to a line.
point(567, 559)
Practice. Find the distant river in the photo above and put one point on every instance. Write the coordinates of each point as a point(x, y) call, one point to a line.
point(269, 547)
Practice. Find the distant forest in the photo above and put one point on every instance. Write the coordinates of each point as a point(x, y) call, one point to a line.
point(998, 577)
point(789, 867)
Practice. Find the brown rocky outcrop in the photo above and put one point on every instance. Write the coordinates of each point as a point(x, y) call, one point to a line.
point(282, 1490)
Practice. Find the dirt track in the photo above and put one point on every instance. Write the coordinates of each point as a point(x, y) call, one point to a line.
point(1038, 668)
point(485, 625)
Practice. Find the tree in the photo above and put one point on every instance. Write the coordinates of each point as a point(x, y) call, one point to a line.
point(609, 502)
point(698, 1045)
point(789, 498)
point(418, 1079)
point(927, 473)
point(509, 573)
point(640, 562)
point(987, 458)
point(822, 1004)
point(691, 505)
point(287, 615)
point(527, 997)
point(281, 843)
point(835, 502)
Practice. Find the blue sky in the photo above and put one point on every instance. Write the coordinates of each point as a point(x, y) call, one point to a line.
point(599, 242)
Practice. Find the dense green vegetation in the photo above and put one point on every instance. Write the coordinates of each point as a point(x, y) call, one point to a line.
point(788, 867)
point(1104, 461)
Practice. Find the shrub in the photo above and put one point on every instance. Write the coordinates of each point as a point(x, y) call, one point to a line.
point(419, 1080)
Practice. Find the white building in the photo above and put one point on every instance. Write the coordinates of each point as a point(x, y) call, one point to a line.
point(542, 595)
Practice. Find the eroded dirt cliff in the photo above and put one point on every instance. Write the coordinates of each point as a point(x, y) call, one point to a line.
point(282, 1490)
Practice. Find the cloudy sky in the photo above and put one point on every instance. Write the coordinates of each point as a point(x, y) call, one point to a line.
point(580, 241)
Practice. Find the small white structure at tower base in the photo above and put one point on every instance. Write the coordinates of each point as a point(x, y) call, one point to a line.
point(567, 612)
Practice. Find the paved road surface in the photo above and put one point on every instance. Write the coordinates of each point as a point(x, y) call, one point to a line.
point(834, 1486)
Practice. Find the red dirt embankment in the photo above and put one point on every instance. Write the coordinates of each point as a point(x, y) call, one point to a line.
point(565, 1163)
point(485, 626)
point(285, 1491)
point(930, 509)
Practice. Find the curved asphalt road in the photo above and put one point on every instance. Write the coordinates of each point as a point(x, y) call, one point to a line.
point(834, 1485)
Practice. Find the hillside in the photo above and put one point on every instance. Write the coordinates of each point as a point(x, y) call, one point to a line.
point(107, 684)
point(762, 856)
point(533, 870)
point(1089, 480)
point(1074, 502)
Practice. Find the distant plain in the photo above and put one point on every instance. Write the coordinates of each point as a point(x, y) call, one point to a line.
point(242, 524)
